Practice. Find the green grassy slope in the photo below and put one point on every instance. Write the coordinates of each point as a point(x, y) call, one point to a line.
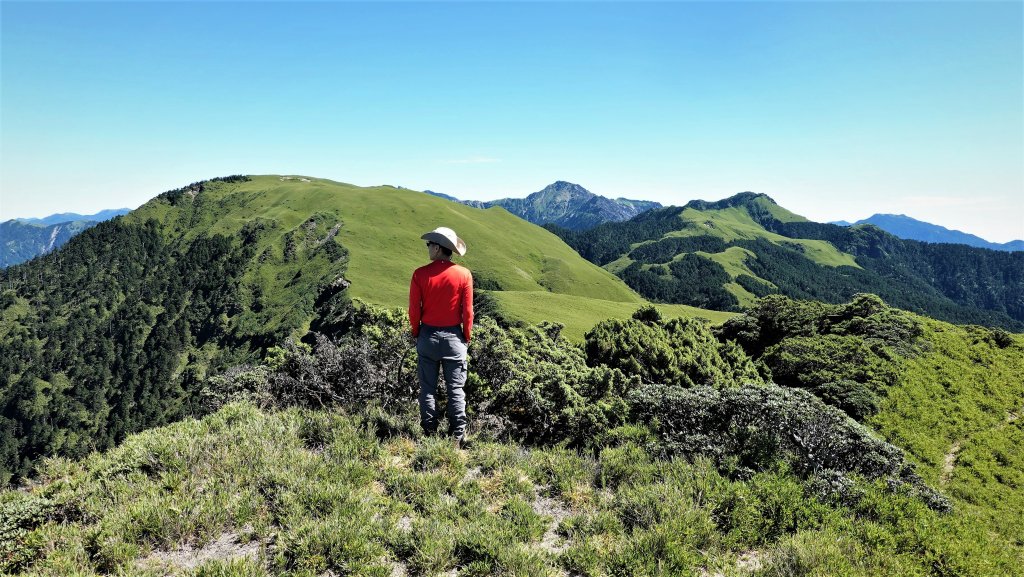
point(735, 223)
point(950, 396)
point(381, 226)
point(957, 412)
point(578, 314)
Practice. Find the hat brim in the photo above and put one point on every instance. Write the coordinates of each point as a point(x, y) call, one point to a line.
point(459, 247)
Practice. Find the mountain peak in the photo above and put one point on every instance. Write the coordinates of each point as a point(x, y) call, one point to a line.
point(565, 187)
point(740, 199)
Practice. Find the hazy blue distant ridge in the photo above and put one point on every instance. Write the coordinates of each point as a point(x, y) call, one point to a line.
point(23, 239)
point(71, 216)
point(909, 228)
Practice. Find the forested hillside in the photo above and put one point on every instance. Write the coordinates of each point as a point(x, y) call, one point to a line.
point(723, 255)
point(111, 334)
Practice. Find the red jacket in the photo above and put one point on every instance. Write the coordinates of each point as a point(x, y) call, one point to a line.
point(441, 295)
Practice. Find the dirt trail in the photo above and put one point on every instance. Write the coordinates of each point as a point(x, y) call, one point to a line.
point(947, 465)
point(747, 563)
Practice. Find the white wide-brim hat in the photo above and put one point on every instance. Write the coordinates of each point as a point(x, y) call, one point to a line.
point(447, 238)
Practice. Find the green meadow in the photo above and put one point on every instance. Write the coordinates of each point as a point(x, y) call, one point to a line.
point(578, 314)
point(534, 275)
point(956, 411)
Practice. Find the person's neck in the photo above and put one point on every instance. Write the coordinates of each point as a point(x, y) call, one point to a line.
point(443, 259)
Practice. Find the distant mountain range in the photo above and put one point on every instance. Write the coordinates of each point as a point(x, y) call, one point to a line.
point(722, 255)
point(565, 204)
point(910, 228)
point(73, 216)
point(23, 239)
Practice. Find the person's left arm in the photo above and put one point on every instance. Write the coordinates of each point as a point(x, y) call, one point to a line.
point(415, 306)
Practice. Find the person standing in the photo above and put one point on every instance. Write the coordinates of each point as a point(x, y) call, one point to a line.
point(441, 315)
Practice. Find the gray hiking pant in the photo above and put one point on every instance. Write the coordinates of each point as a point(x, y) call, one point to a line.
point(442, 348)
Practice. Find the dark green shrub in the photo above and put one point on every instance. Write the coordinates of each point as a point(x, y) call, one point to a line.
point(682, 352)
point(807, 362)
point(775, 317)
point(770, 320)
point(848, 354)
point(371, 363)
point(758, 426)
point(534, 385)
point(853, 398)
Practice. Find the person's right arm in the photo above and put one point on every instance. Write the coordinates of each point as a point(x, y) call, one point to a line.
point(467, 307)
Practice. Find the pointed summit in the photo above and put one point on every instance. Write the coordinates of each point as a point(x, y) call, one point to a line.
point(571, 206)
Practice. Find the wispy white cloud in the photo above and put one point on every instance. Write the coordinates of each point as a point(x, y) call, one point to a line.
point(473, 160)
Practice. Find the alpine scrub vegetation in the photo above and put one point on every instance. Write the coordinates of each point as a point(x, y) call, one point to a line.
point(603, 458)
point(300, 492)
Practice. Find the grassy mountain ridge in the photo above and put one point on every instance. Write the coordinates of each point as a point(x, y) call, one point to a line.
point(802, 437)
point(692, 255)
point(381, 227)
point(956, 410)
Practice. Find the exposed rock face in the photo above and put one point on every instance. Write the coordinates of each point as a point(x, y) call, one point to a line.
point(568, 205)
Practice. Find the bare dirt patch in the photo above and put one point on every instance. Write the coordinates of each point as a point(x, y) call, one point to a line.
point(747, 563)
point(224, 548)
point(949, 462)
point(557, 512)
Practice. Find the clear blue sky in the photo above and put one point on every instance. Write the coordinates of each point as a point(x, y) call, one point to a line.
point(835, 109)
